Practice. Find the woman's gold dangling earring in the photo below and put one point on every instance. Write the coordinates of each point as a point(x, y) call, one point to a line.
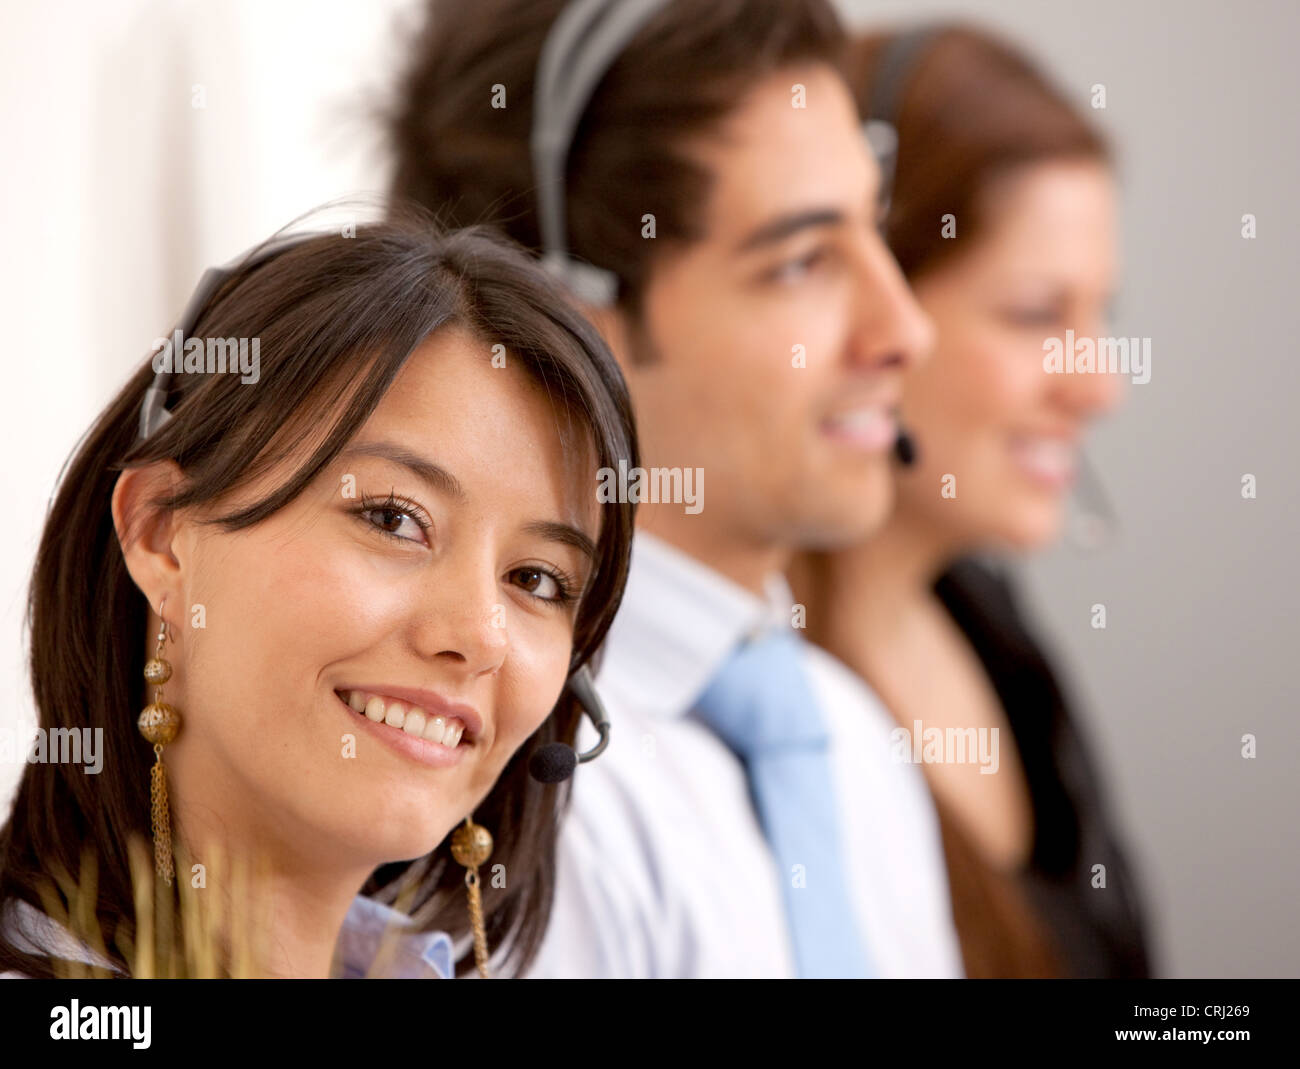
point(471, 845)
point(159, 723)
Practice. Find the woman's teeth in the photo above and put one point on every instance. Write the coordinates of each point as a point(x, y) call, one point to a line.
point(445, 731)
point(1048, 458)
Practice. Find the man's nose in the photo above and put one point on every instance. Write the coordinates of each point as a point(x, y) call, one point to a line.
point(892, 329)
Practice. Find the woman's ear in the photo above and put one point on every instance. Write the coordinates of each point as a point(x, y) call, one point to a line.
point(146, 532)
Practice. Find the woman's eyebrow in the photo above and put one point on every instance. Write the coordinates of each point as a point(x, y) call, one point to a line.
point(437, 477)
point(441, 479)
point(562, 532)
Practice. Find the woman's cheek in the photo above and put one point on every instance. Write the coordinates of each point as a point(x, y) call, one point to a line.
point(536, 673)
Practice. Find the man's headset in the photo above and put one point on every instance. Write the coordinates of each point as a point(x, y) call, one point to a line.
point(1095, 520)
point(585, 40)
point(583, 43)
point(551, 763)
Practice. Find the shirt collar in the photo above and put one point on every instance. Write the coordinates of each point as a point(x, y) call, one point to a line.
point(379, 941)
point(679, 620)
point(35, 932)
point(376, 941)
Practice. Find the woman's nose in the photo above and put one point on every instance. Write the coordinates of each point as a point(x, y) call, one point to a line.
point(462, 618)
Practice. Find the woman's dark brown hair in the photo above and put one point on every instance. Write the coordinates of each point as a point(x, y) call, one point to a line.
point(968, 109)
point(337, 317)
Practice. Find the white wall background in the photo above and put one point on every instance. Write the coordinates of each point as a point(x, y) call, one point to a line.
point(116, 192)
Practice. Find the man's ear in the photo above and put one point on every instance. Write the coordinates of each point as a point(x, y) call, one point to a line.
point(146, 532)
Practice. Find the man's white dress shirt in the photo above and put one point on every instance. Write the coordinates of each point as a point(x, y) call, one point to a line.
point(663, 868)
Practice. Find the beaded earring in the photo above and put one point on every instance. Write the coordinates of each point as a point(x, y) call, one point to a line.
point(471, 846)
point(159, 723)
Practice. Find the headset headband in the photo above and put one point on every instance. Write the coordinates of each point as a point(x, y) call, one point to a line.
point(153, 412)
point(897, 59)
point(586, 39)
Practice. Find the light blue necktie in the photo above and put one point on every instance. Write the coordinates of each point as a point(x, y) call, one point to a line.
point(761, 705)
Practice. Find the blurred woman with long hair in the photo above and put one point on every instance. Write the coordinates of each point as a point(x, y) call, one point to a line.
point(1002, 216)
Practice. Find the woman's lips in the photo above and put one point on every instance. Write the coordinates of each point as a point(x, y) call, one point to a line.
point(433, 740)
point(1048, 461)
point(429, 702)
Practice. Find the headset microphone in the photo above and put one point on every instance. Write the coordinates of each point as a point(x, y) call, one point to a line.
point(905, 447)
point(555, 762)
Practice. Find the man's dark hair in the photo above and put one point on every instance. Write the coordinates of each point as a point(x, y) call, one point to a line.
point(678, 78)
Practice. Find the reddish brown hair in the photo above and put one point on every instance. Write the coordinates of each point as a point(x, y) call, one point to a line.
point(970, 109)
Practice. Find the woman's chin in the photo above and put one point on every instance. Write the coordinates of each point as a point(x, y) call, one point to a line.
point(1030, 528)
point(387, 838)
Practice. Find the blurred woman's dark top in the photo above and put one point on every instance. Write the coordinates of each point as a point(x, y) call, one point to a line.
point(1047, 919)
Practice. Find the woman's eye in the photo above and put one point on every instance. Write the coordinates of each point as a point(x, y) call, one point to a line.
point(539, 583)
point(396, 522)
point(1034, 317)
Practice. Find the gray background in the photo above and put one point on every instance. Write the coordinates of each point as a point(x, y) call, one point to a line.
point(1203, 104)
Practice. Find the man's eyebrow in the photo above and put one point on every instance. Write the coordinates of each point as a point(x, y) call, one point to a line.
point(783, 226)
point(439, 478)
point(562, 532)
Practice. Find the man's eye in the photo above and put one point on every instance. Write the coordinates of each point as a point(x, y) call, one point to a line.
point(794, 270)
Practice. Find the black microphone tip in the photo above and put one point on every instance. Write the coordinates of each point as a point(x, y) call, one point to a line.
point(905, 448)
point(552, 763)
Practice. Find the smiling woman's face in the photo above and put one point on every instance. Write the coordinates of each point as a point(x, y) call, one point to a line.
point(429, 576)
point(983, 409)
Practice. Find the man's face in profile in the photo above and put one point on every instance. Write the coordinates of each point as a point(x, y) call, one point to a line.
point(782, 335)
